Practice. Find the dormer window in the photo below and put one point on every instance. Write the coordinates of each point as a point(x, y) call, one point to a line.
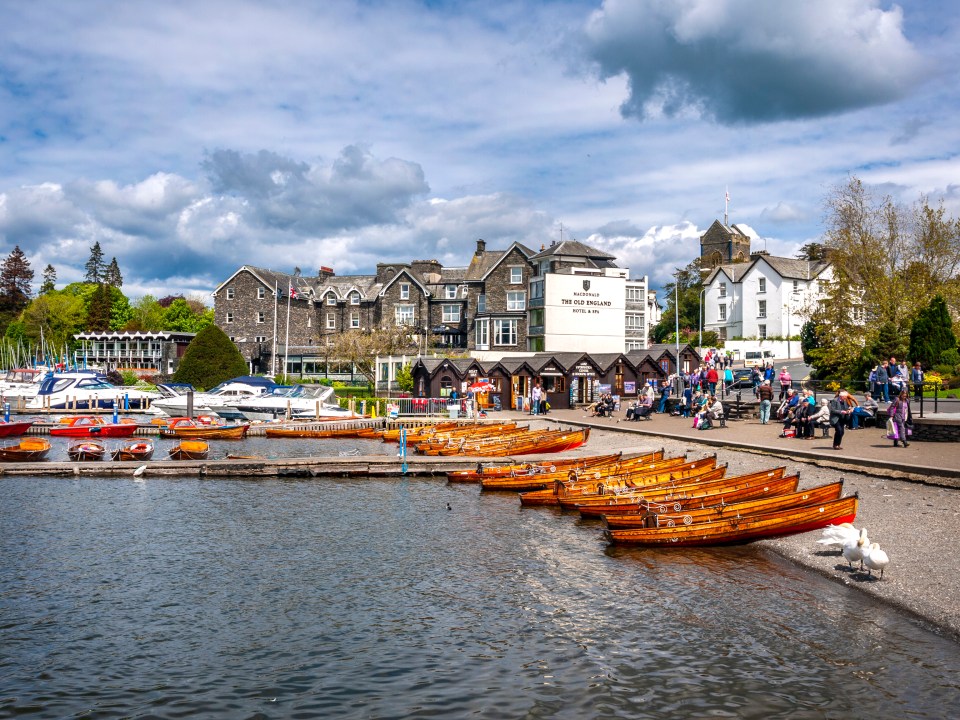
point(450, 292)
point(331, 299)
point(354, 298)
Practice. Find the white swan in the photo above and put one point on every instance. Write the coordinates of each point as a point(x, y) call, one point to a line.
point(139, 471)
point(838, 535)
point(875, 559)
point(854, 548)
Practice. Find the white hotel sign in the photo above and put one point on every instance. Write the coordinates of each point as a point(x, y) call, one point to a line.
point(583, 314)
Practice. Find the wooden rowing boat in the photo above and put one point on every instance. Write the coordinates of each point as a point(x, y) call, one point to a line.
point(705, 489)
point(190, 450)
point(314, 433)
point(141, 450)
point(27, 450)
point(743, 528)
point(710, 508)
point(543, 489)
point(86, 450)
point(393, 434)
point(184, 427)
point(530, 443)
point(655, 484)
point(528, 469)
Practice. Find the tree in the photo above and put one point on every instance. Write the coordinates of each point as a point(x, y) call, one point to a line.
point(94, 266)
point(15, 278)
point(60, 314)
point(146, 315)
point(210, 358)
point(688, 283)
point(404, 378)
point(932, 334)
point(112, 275)
point(183, 316)
point(49, 280)
point(812, 251)
point(98, 312)
point(362, 347)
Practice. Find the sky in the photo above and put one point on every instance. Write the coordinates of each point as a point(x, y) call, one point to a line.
point(190, 138)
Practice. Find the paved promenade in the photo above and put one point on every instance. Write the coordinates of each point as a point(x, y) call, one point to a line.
point(909, 498)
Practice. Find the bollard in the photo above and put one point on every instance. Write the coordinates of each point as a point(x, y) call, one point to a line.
point(6, 412)
point(126, 401)
point(116, 417)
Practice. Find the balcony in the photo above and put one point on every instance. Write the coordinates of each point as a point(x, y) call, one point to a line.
point(534, 303)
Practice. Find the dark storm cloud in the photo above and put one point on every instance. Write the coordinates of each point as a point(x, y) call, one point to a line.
point(752, 61)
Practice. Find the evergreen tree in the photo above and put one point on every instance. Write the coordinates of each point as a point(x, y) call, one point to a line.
point(932, 333)
point(15, 278)
point(112, 275)
point(94, 265)
point(210, 358)
point(49, 280)
point(98, 314)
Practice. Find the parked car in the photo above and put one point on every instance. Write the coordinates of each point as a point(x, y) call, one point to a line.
point(742, 378)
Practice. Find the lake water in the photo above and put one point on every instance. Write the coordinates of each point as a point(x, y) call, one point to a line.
point(329, 598)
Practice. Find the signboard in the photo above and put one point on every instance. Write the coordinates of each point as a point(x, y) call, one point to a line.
point(577, 307)
point(629, 387)
point(583, 369)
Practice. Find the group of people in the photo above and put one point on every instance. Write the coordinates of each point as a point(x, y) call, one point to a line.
point(889, 379)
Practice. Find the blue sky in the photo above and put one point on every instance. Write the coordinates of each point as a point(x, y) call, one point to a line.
point(190, 138)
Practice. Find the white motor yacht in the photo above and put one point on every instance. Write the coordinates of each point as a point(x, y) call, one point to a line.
point(298, 401)
point(215, 401)
point(86, 390)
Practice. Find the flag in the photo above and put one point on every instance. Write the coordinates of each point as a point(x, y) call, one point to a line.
point(293, 293)
point(728, 196)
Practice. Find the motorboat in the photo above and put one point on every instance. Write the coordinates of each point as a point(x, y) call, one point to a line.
point(175, 397)
point(299, 401)
point(86, 426)
point(21, 383)
point(87, 390)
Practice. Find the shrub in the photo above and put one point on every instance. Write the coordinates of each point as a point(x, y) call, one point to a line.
point(210, 359)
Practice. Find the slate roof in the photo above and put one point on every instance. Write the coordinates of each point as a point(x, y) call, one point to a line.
point(574, 248)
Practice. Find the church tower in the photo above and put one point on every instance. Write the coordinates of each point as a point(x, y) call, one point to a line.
point(721, 245)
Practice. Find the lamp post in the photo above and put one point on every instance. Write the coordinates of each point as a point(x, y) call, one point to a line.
point(789, 308)
point(676, 313)
point(700, 340)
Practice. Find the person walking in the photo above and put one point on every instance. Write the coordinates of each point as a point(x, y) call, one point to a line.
point(883, 381)
point(839, 412)
point(899, 412)
point(712, 378)
point(765, 393)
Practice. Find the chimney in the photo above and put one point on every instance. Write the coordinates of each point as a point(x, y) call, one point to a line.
point(481, 247)
point(325, 272)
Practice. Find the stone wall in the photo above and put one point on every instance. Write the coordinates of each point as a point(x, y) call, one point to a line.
point(936, 428)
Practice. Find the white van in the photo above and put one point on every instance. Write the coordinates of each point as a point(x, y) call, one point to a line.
point(757, 358)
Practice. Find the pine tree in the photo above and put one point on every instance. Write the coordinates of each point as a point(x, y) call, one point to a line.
point(49, 280)
point(932, 333)
point(15, 278)
point(98, 314)
point(94, 265)
point(112, 275)
point(210, 358)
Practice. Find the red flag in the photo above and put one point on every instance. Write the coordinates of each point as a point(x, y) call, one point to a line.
point(293, 293)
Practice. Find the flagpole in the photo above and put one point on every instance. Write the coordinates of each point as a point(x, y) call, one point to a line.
point(273, 355)
point(286, 348)
point(726, 206)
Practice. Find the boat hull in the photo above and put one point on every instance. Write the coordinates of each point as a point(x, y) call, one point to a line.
point(138, 451)
point(28, 450)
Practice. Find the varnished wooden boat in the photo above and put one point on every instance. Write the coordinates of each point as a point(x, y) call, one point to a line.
point(190, 450)
point(657, 485)
point(393, 434)
point(315, 433)
point(529, 469)
point(743, 528)
point(709, 508)
point(543, 489)
point(141, 450)
point(450, 442)
point(27, 450)
point(184, 427)
point(86, 450)
point(525, 444)
point(705, 488)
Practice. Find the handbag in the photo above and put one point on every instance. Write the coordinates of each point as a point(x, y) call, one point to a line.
point(892, 432)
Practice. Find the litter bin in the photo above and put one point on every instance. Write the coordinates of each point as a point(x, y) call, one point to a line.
point(454, 411)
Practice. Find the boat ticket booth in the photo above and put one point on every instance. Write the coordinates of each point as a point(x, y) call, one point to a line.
point(583, 382)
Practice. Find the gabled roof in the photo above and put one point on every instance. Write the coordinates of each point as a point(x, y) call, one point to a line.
point(483, 264)
point(574, 248)
point(734, 271)
point(271, 279)
point(793, 268)
point(405, 271)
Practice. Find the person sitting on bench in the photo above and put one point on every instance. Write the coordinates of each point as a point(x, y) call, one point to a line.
point(643, 410)
point(712, 413)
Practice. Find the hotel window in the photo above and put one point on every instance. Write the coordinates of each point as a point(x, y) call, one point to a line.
point(504, 332)
point(761, 308)
point(481, 303)
point(762, 332)
point(483, 334)
point(331, 321)
point(796, 286)
point(634, 294)
point(450, 292)
point(536, 289)
point(721, 312)
point(634, 321)
point(634, 345)
point(516, 301)
point(516, 275)
point(229, 318)
point(722, 289)
point(355, 319)
point(762, 285)
point(230, 293)
point(354, 298)
point(261, 293)
point(260, 318)
point(404, 291)
point(403, 314)
point(331, 299)
point(451, 313)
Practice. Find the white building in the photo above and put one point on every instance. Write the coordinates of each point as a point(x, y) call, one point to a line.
point(766, 298)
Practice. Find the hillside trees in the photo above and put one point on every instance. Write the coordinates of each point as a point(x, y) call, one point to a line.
point(15, 278)
point(210, 358)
